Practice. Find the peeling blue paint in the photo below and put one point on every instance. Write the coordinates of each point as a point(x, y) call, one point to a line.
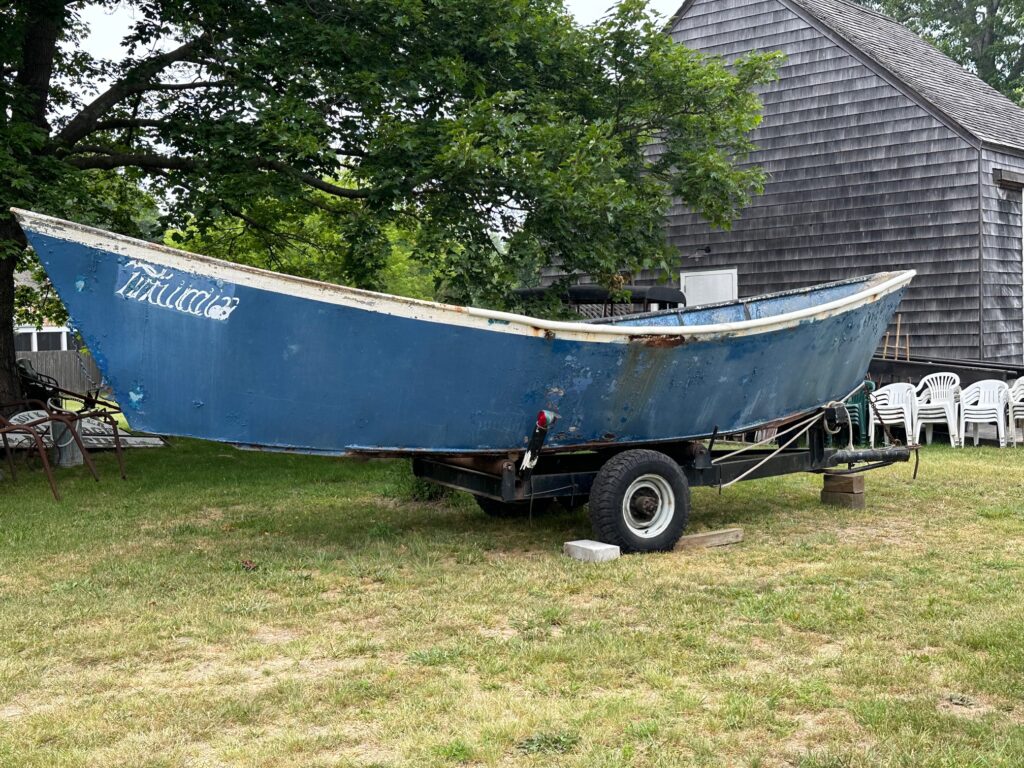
point(135, 398)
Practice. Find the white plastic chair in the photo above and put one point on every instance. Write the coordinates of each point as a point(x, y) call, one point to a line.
point(986, 402)
point(1016, 408)
point(894, 404)
point(937, 396)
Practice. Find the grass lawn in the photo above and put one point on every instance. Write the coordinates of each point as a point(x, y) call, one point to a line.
point(229, 608)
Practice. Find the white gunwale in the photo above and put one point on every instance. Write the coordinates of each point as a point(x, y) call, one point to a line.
point(879, 285)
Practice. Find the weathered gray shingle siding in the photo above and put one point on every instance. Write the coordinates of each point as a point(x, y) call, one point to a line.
point(937, 80)
point(863, 178)
point(1003, 254)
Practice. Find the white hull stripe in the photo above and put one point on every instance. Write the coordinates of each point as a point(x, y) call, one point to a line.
point(434, 312)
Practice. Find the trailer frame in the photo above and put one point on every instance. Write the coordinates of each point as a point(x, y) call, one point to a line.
point(523, 478)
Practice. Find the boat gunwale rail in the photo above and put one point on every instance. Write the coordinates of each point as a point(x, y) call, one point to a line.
point(875, 287)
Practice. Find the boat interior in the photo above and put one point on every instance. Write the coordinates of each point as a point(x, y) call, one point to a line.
point(752, 308)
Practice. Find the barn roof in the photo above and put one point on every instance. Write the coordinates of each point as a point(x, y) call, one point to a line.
point(937, 80)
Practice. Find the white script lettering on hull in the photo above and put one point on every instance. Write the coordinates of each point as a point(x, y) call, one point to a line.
point(158, 286)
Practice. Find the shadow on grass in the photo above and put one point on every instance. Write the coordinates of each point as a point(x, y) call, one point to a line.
point(193, 490)
point(434, 527)
point(341, 504)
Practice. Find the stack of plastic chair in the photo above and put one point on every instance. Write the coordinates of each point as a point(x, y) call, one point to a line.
point(894, 405)
point(986, 402)
point(857, 407)
point(1016, 408)
point(937, 398)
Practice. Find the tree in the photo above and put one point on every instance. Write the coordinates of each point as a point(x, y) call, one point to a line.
point(284, 237)
point(986, 36)
point(502, 136)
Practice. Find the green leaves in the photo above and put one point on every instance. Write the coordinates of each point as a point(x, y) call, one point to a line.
point(495, 141)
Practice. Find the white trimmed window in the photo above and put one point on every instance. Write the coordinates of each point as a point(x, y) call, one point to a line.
point(46, 339)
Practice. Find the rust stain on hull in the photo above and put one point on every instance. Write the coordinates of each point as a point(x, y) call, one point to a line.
point(660, 342)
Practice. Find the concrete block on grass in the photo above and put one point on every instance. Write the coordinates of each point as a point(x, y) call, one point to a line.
point(590, 551)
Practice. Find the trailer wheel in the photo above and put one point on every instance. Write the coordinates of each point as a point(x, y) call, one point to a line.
point(495, 508)
point(640, 500)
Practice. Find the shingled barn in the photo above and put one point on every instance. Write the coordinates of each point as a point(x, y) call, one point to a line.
point(883, 154)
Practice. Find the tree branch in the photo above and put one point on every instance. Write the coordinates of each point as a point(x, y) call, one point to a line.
point(95, 149)
point(315, 181)
point(115, 123)
point(146, 161)
point(133, 81)
point(156, 162)
point(183, 86)
point(285, 236)
point(349, 152)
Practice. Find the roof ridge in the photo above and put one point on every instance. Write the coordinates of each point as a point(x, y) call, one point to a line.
point(873, 11)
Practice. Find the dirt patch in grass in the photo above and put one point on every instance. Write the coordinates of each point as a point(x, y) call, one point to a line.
point(260, 674)
point(500, 632)
point(333, 595)
point(816, 732)
point(276, 635)
point(200, 518)
point(903, 534)
point(960, 705)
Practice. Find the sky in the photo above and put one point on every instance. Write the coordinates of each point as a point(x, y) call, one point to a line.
point(106, 28)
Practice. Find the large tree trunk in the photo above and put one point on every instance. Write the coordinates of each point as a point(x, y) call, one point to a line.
point(10, 234)
point(44, 21)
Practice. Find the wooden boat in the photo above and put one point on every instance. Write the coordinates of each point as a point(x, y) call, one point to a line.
point(200, 347)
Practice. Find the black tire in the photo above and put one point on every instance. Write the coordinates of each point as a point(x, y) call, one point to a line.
point(495, 508)
point(658, 507)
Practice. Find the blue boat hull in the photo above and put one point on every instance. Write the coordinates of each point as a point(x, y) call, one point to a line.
point(273, 363)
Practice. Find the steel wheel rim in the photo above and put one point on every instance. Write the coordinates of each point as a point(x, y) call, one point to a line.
point(648, 506)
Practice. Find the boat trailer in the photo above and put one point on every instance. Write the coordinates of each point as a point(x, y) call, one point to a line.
point(639, 494)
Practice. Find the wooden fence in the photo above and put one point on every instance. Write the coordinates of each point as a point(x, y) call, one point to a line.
point(71, 369)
